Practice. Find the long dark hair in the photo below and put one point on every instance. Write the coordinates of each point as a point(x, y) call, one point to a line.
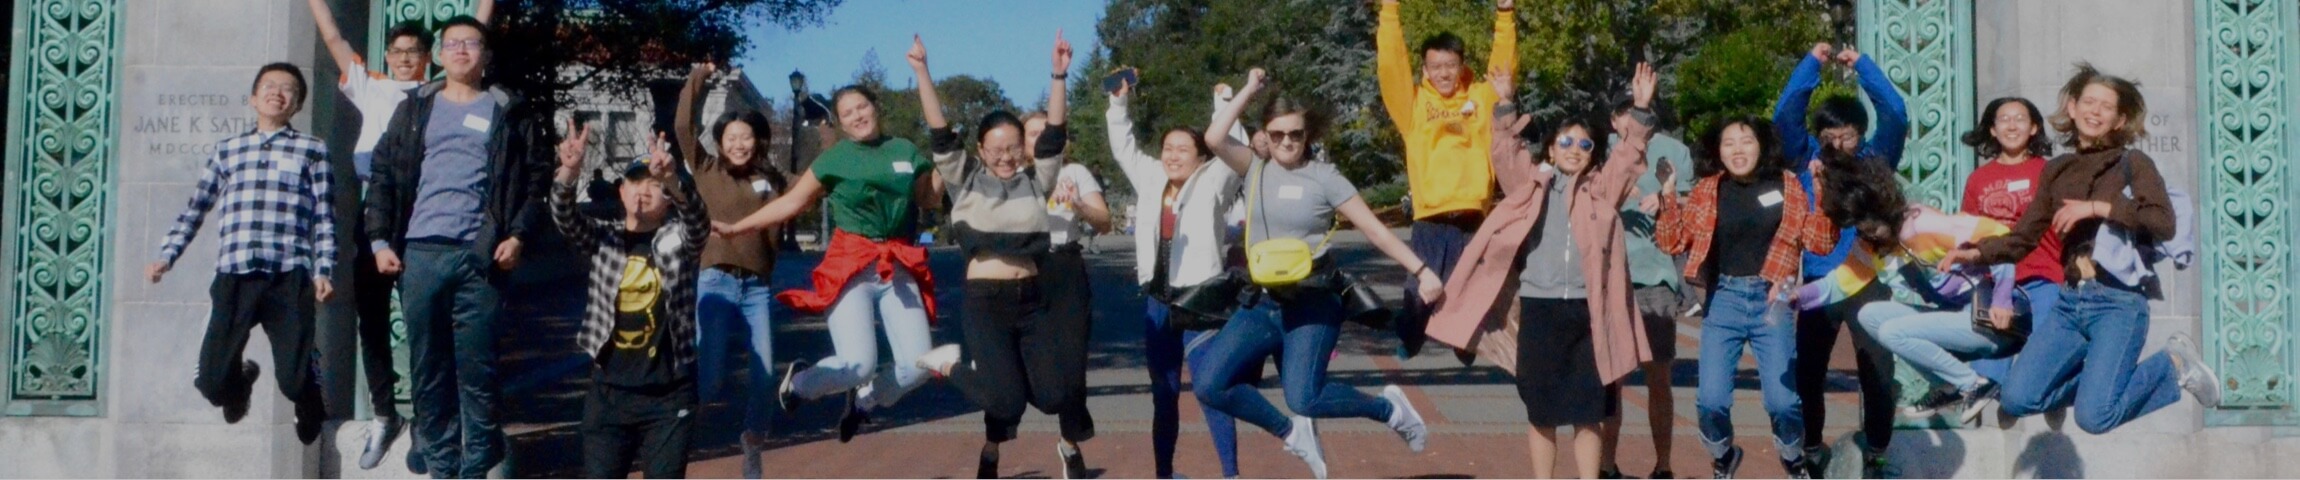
point(1709, 161)
point(1863, 193)
point(1544, 132)
point(1985, 144)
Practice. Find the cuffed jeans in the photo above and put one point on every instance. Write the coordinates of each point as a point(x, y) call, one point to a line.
point(2084, 355)
point(1302, 331)
point(1740, 315)
point(1937, 344)
point(1168, 350)
point(450, 298)
point(866, 303)
point(735, 309)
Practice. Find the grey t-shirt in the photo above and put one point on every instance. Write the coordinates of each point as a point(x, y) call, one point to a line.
point(1295, 203)
point(453, 185)
point(1552, 267)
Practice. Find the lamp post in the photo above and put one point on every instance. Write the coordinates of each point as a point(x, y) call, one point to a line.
point(791, 164)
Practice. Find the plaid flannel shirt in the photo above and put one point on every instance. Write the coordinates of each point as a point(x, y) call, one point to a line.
point(1690, 225)
point(678, 255)
point(272, 190)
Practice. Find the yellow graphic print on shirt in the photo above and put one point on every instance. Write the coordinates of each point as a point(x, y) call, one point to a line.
point(642, 284)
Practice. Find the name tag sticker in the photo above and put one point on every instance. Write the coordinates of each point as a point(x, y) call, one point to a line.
point(904, 168)
point(1290, 192)
point(2017, 185)
point(760, 186)
point(474, 122)
point(1770, 198)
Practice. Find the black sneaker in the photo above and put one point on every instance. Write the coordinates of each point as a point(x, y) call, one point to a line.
point(851, 422)
point(1976, 401)
point(1933, 402)
point(236, 406)
point(787, 395)
point(415, 462)
point(309, 418)
point(1800, 468)
point(1662, 473)
point(1723, 467)
point(1073, 461)
point(1875, 466)
point(1609, 472)
point(986, 466)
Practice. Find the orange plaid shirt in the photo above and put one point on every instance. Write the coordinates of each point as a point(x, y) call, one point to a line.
point(1691, 224)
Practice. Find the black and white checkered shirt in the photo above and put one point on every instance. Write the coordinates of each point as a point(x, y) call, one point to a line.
point(272, 189)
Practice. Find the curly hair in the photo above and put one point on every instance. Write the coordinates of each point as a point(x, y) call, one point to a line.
point(1709, 161)
point(1985, 144)
point(1863, 193)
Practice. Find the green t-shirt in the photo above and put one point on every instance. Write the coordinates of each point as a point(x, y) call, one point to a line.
point(870, 186)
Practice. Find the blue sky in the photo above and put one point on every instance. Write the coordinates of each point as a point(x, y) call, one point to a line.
point(1006, 40)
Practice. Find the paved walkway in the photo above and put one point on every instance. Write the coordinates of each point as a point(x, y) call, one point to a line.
point(1476, 420)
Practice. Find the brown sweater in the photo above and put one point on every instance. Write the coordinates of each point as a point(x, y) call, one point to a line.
point(727, 195)
point(2090, 175)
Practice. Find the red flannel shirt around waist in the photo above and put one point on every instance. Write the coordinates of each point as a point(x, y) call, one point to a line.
point(849, 254)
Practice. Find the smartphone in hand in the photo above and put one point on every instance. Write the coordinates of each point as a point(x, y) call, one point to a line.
point(1119, 78)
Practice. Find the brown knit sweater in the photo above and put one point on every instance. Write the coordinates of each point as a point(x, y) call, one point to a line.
point(2088, 175)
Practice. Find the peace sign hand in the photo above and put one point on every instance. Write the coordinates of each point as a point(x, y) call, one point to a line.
point(571, 148)
point(659, 156)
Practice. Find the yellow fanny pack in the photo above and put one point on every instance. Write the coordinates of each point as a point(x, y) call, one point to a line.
point(1278, 262)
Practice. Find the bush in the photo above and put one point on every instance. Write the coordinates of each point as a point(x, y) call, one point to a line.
point(1384, 195)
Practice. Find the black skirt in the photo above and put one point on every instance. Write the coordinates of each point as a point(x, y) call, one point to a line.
point(1557, 365)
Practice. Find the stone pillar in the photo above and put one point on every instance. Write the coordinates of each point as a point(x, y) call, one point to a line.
point(188, 67)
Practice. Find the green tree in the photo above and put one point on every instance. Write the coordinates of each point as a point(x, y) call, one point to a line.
point(539, 40)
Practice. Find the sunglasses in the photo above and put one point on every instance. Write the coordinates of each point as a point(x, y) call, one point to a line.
point(1302, 136)
point(1569, 142)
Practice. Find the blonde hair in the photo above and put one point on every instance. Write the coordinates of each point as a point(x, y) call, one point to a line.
point(2128, 103)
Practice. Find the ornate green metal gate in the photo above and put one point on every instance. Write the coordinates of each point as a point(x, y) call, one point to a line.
point(64, 72)
point(2245, 61)
point(1926, 48)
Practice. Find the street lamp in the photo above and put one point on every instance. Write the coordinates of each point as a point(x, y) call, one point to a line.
point(791, 164)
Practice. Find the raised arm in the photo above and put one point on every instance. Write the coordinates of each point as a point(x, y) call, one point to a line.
point(1047, 155)
point(581, 231)
point(683, 126)
point(337, 47)
point(1789, 111)
point(1891, 136)
point(1626, 160)
point(1233, 152)
point(1118, 124)
point(928, 100)
point(1503, 57)
point(485, 12)
point(1394, 67)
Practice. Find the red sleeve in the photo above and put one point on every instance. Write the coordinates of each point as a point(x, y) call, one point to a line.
point(1973, 186)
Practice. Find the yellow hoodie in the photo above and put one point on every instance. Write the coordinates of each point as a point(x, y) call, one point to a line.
point(1446, 137)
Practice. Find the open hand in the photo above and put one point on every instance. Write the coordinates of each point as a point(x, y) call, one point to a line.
point(1642, 85)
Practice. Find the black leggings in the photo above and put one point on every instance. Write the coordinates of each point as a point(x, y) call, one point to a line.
point(1016, 355)
point(1816, 339)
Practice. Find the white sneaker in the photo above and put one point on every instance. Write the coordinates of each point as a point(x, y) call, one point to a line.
point(940, 360)
point(2195, 376)
point(1405, 420)
point(1303, 442)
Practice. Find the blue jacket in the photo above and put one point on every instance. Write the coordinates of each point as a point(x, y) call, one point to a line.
point(1888, 137)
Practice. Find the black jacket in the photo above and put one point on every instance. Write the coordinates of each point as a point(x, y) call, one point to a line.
point(520, 150)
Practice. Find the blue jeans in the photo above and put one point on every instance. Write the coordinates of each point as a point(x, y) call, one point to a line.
point(1740, 316)
point(864, 304)
point(450, 297)
point(1302, 331)
point(1937, 344)
point(1168, 351)
point(733, 309)
point(2083, 355)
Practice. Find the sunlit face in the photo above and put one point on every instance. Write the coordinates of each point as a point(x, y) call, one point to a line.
point(404, 57)
point(275, 95)
point(2013, 128)
point(738, 143)
point(1844, 139)
point(462, 52)
point(1289, 138)
point(1738, 148)
point(644, 198)
point(1001, 151)
point(2095, 113)
point(1443, 70)
point(1179, 156)
point(858, 118)
point(1030, 130)
point(1570, 150)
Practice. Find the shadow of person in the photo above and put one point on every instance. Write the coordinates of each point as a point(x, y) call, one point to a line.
point(2049, 455)
point(1928, 453)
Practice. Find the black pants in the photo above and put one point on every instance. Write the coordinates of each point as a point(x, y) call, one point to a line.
point(283, 305)
point(371, 291)
point(651, 425)
point(1816, 339)
point(1011, 359)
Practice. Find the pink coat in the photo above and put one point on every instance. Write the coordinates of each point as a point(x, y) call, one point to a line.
point(1480, 295)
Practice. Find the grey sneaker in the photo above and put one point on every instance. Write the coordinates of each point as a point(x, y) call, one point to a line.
point(2195, 376)
point(1303, 442)
point(380, 433)
point(1405, 420)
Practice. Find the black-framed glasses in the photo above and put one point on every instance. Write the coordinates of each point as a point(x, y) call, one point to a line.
point(1569, 142)
point(394, 52)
